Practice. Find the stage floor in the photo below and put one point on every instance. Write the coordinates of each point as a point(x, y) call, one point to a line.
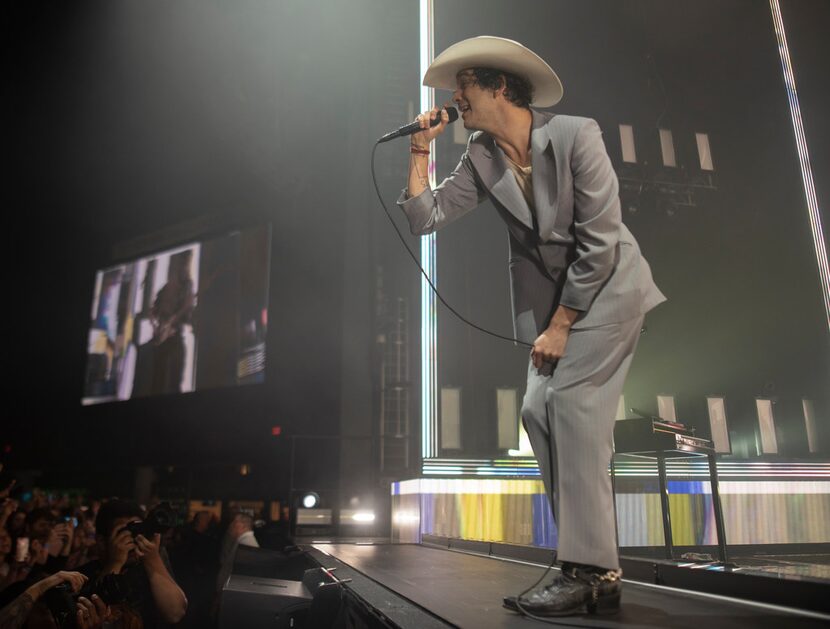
point(465, 590)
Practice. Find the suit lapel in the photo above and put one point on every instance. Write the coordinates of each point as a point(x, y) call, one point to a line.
point(545, 188)
point(491, 166)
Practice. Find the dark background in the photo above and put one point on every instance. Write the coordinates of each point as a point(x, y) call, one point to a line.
point(129, 122)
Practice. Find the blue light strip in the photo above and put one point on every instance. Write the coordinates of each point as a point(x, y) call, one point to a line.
point(429, 327)
point(803, 157)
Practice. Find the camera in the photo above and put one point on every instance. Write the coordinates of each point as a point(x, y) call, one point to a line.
point(112, 588)
point(160, 519)
point(70, 519)
point(61, 601)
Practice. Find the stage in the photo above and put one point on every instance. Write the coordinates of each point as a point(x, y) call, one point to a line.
point(423, 586)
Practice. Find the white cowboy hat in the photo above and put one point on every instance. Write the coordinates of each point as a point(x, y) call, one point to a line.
point(501, 54)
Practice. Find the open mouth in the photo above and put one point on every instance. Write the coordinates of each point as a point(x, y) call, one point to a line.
point(464, 108)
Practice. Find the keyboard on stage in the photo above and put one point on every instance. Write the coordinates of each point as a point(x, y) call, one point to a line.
point(652, 434)
point(656, 438)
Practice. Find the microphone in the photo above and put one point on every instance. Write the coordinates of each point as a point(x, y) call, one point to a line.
point(414, 127)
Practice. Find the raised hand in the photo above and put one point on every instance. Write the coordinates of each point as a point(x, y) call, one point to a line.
point(423, 138)
point(92, 614)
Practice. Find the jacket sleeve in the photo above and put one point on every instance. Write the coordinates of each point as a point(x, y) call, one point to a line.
point(596, 219)
point(455, 196)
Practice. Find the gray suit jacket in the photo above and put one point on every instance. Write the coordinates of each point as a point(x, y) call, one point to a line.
point(577, 252)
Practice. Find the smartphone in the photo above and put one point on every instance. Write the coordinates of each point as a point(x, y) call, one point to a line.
point(21, 552)
point(73, 520)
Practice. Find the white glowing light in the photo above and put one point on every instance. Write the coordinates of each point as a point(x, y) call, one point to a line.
point(429, 349)
point(405, 517)
point(803, 157)
point(364, 516)
point(310, 501)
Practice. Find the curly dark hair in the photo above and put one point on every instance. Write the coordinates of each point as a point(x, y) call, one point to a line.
point(517, 89)
point(113, 509)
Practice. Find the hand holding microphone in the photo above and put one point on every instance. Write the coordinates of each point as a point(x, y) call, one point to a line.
point(432, 124)
point(426, 127)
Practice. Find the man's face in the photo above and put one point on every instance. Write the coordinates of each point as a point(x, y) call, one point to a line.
point(201, 522)
point(236, 528)
point(41, 528)
point(18, 521)
point(475, 103)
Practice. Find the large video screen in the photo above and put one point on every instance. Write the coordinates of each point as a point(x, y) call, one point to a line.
point(188, 318)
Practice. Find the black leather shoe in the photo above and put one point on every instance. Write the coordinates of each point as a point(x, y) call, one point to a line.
point(509, 602)
point(577, 590)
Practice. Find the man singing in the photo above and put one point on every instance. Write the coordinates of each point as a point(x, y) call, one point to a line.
point(580, 287)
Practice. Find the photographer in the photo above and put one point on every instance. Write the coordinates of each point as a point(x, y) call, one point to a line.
point(141, 578)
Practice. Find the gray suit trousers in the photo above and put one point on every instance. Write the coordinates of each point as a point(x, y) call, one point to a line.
point(569, 417)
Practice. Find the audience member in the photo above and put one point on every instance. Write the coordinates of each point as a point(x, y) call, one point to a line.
point(89, 614)
point(240, 532)
point(50, 538)
point(140, 565)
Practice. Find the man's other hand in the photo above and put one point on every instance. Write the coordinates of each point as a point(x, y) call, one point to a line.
point(120, 544)
point(148, 551)
point(92, 614)
point(549, 346)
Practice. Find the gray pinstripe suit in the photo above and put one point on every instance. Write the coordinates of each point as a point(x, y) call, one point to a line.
point(570, 249)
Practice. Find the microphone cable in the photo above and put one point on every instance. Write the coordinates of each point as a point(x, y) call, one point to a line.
point(424, 273)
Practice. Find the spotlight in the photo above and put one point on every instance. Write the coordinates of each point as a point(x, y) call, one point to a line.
point(310, 500)
point(364, 516)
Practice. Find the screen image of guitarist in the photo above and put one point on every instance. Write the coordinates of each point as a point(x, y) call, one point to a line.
point(172, 308)
point(182, 319)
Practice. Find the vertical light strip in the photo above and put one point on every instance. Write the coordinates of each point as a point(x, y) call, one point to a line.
point(803, 157)
point(429, 348)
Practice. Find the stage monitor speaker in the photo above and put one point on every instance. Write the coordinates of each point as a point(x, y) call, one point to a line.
point(272, 564)
point(260, 603)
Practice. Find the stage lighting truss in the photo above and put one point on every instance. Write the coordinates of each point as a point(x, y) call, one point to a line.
point(660, 178)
